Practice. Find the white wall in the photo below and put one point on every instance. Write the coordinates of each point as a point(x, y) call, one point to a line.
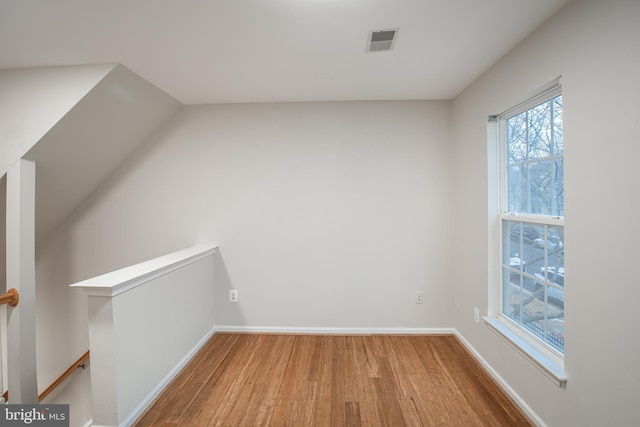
point(32, 100)
point(326, 214)
point(595, 46)
point(62, 325)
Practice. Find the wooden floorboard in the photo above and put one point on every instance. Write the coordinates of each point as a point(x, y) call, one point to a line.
point(315, 380)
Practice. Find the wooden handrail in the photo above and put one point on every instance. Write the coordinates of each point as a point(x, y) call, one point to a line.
point(77, 364)
point(11, 297)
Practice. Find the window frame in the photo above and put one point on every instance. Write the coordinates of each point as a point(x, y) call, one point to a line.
point(548, 359)
point(502, 118)
point(536, 341)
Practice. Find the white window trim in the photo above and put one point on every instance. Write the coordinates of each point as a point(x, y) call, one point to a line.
point(540, 359)
point(550, 363)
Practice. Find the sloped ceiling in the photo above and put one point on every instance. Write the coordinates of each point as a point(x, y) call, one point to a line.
point(89, 143)
point(219, 51)
point(32, 100)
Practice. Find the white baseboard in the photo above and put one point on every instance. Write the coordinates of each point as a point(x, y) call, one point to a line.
point(133, 416)
point(333, 331)
point(502, 383)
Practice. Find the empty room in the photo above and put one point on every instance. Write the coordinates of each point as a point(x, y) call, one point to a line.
point(319, 212)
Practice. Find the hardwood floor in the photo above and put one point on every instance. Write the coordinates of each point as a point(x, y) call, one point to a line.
point(311, 380)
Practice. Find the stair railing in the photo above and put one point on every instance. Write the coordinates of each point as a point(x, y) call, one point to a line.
point(11, 297)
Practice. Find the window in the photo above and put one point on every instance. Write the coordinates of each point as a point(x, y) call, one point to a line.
point(532, 221)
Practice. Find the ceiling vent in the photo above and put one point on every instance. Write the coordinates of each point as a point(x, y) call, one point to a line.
point(381, 40)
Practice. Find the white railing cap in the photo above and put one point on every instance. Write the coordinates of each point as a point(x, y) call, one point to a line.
point(119, 281)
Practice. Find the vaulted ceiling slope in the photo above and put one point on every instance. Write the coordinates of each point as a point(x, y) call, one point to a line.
point(222, 51)
point(92, 140)
point(33, 100)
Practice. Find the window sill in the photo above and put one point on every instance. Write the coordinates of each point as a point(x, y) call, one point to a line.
point(542, 362)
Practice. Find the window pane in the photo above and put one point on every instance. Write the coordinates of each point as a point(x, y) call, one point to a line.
point(558, 147)
point(532, 253)
point(533, 282)
point(512, 236)
point(535, 170)
point(517, 180)
point(540, 179)
point(512, 297)
point(517, 138)
point(539, 130)
point(559, 188)
point(555, 287)
point(511, 268)
point(555, 254)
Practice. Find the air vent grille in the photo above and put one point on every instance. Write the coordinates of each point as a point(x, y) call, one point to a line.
point(381, 40)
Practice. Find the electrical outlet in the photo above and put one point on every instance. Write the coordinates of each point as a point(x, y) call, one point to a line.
point(419, 297)
point(476, 314)
point(233, 295)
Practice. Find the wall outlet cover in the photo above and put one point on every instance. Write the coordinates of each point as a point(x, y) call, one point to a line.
point(233, 295)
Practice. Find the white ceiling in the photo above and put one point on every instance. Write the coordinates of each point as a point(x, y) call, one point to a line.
point(214, 51)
